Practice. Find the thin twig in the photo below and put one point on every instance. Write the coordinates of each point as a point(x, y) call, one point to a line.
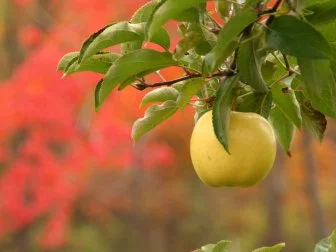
point(142, 85)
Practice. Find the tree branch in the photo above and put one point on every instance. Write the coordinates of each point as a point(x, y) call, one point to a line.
point(143, 85)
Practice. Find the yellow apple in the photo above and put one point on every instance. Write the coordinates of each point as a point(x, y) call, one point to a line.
point(252, 145)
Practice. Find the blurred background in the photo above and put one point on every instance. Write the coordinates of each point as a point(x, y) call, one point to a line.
point(71, 179)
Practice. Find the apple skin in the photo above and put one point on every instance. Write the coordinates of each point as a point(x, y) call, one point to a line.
point(252, 145)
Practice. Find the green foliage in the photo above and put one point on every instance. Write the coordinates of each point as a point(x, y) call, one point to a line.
point(325, 245)
point(153, 116)
point(160, 95)
point(226, 40)
point(284, 129)
point(328, 244)
point(189, 89)
point(98, 63)
point(221, 110)
point(298, 38)
point(275, 248)
point(286, 64)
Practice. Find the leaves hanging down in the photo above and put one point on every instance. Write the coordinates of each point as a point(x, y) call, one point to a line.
point(275, 248)
point(319, 84)
point(130, 65)
point(160, 95)
point(284, 129)
point(153, 116)
point(249, 64)
point(285, 99)
point(221, 110)
point(189, 89)
point(313, 121)
point(328, 244)
point(298, 38)
point(98, 63)
point(321, 12)
point(259, 103)
point(227, 40)
point(120, 33)
point(170, 9)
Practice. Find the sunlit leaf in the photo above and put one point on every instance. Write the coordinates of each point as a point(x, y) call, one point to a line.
point(99, 63)
point(284, 98)
point(221, 246)
point(131, 65)
point(154, 115)
point(275, 248)
point(119, 33)
point(328, 244)
point(169, 9)
point(160, 95)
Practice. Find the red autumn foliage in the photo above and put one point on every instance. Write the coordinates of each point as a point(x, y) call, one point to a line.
point(51, 139)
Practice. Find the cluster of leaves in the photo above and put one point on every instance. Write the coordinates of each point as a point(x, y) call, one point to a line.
point(326, 245)
point(275, 58)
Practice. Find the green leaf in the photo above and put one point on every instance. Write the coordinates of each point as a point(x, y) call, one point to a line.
point(313, 121)
point(140, 16)
point(249, 65)
point(195, 37)
point(275, 248)
point(259, 103)
point(166, 10)
point(322, 12)
point(119, 33)
point(207, 248)
point(221, 246)
point(328, 244)
point(190, 41)
point(227, 40)
point(189, 89)
point(283, 128)
point(66, 59)
point(298, 38)
point(285, 100)
point(192, 62)
point(160, 95)
point(319, 85)
point(221, 110)
point(223, 8)
point(154, 115)
point(132, 64)
point(144, 12)
point(96, 94)
point(99, 63)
